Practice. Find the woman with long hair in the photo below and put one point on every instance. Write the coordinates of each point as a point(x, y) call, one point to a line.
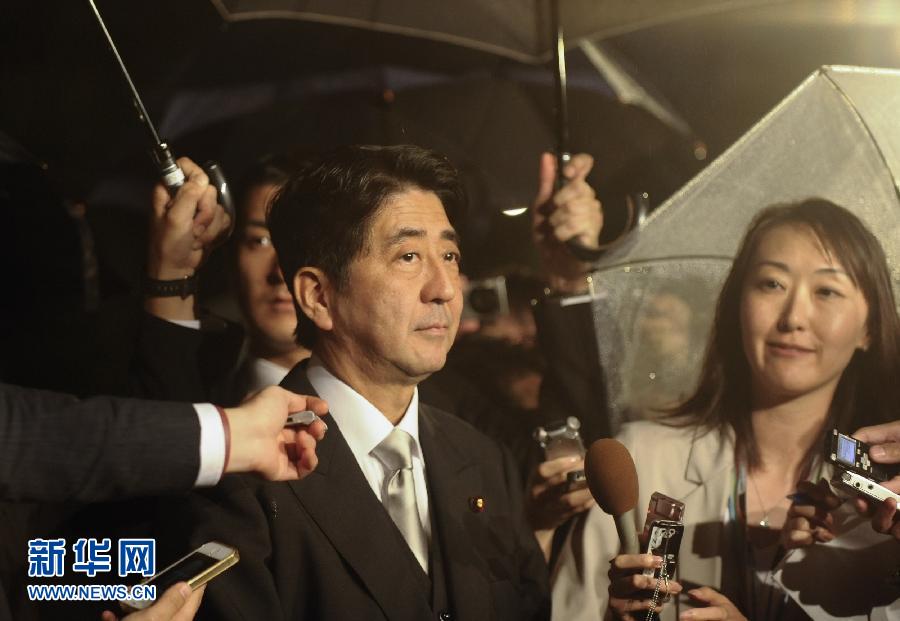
point(806, 337)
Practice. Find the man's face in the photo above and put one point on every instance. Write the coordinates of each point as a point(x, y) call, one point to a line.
point(397, 316)
point(264, 298)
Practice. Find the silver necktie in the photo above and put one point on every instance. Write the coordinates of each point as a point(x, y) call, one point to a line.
point(399, 494)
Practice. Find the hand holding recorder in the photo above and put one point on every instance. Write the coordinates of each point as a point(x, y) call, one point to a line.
point(860, 473)
point(554, 496)
point(884, 441)
point(639, 584)
point(556, 488)
point(260, 442)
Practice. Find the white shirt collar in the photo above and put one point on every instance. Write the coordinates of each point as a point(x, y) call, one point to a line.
point(264, 373)
point(362, 424)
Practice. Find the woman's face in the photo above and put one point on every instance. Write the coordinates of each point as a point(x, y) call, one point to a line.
point(802, 317)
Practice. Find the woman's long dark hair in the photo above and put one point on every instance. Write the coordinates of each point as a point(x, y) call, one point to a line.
point(869, 389)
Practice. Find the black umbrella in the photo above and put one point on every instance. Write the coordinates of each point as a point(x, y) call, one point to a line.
point(525, 30)
point(491, 128)
point(516, 29)
point(65, 102)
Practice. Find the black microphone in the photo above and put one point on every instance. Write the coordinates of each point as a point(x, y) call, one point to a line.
point(612, 479)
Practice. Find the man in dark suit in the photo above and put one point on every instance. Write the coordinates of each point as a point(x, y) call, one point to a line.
point(412, 513)
point(55, 448)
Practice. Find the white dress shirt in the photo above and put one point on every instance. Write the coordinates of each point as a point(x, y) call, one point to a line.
point(264, 373)
point(212, 435)
point(212, 445)
point(364, 427)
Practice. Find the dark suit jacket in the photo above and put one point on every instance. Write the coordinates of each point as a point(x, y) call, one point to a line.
point(325, 548)
point(54, 448)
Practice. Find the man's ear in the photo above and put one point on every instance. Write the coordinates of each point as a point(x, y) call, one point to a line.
point(312, 292)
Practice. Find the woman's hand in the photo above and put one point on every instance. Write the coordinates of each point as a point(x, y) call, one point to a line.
point(811, 520)
point(715, 606)
point(630, 590)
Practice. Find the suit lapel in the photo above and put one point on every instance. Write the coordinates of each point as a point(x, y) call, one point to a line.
point(711, 452)
point(710, 466)
point(453, 479)
point(339, 500)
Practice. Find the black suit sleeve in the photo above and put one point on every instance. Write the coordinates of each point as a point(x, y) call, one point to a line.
point(55, 448)
point(573, 384)
point(534, 590)
point(176, 363)
point(167, 361)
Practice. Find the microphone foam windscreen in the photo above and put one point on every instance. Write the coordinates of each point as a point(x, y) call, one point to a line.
point(611, 476)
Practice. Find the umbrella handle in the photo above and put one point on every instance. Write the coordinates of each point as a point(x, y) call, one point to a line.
point(173, 178)
point(583, 253)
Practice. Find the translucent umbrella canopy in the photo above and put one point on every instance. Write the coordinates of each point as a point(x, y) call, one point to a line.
point(836, 136)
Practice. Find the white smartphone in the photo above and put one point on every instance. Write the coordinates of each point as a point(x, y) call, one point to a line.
point(196, 568)
point(855, 482)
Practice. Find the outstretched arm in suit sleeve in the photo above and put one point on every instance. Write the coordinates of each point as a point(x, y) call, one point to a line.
point(55, 448)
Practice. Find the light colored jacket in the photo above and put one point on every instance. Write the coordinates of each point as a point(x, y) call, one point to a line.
point(684, 463)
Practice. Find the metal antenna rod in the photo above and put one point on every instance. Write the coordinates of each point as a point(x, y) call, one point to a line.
point(559, 78)
point(172, 175)
point(135, 96)
point(563, 156)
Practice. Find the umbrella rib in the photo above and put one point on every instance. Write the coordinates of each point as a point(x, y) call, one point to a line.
point(865, 126)
point(363, 24)
point(663, 18)
point(684, 257)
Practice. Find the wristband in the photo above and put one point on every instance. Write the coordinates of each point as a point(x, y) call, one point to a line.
point(227, 429)
point(183, 287)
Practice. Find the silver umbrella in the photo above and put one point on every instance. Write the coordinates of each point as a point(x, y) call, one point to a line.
point(836, 136)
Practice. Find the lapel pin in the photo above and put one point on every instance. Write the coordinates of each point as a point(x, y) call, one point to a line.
point(476, 504)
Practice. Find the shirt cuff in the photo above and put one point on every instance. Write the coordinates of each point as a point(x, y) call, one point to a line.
point(212, 445)
point(193, 324)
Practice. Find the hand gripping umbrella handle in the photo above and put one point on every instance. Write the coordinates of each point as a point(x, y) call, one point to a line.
point(173, 178)
point(579, 251)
